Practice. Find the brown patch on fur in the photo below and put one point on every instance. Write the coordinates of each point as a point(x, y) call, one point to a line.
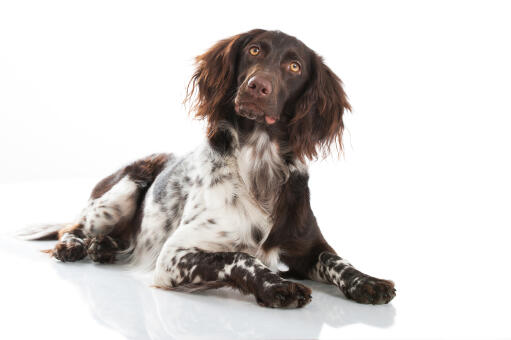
point(295, 230)
point(214, 80)
point(143, 171)
point(318, 123)
point(69, 229)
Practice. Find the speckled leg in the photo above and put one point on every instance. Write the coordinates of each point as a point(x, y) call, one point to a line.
point(193, 269)
point(354, 284)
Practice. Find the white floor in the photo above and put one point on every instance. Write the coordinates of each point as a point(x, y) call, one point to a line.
point(421, 196)
point(442, 292)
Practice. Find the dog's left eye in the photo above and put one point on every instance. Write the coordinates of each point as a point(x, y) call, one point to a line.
point(254, 50)
point(294, 67)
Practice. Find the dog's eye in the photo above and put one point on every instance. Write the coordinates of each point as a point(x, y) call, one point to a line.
point(294, 67)
point(254, 50)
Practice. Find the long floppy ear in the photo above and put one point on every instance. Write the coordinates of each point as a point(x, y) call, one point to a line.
point(214, 79)
point(318, 123)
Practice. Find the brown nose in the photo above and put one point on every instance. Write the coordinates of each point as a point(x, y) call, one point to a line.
point(259, 86)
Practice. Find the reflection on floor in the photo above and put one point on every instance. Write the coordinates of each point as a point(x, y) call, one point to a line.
point(127, 304)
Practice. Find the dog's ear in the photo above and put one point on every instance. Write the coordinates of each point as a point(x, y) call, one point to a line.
point(318, 120)
point(214, 80)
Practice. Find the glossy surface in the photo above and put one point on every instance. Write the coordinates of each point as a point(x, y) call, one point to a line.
point(421, 195)
point(48, 299)
point(113, 299)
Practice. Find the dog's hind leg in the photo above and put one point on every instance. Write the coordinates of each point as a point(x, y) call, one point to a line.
point(71, 246)
point(109, 220)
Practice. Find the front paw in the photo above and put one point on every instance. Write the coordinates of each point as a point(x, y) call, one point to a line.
point(284, 294)
point(370, 290)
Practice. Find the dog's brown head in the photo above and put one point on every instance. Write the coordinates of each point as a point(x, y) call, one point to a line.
point(275, 81)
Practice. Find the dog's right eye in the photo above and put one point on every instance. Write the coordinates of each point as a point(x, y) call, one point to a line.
point(254, 50)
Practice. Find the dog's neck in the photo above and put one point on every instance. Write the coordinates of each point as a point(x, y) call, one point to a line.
point(261, 167)
point(261, 153)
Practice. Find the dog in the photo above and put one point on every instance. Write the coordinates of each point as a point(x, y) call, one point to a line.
point(228, 213)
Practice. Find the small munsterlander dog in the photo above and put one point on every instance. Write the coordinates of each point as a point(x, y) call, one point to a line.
point(227, 213)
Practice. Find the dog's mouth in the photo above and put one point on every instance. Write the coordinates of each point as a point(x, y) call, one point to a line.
point(253, 111)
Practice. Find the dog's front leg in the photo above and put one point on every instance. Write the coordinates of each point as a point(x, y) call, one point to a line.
point(354, 284)
point(192, 269)
point(307, 254)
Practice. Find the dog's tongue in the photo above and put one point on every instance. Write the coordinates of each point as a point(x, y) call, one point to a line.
point(269, 120)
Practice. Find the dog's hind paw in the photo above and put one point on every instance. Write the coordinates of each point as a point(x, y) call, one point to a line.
point(102, 249)
point(68, 251)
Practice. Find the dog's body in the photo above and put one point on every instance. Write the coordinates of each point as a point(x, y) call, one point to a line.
point(228, 213)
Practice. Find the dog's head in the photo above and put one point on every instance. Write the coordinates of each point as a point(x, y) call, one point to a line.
point(276, 81)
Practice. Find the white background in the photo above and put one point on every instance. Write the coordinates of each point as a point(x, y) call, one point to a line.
point(421, 194)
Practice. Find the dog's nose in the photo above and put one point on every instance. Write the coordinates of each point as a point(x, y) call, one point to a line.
point(259, 86)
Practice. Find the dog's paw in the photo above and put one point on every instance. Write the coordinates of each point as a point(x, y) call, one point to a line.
point(284, 294)
point(370, 290)
point(102, 249)
point(69, 251)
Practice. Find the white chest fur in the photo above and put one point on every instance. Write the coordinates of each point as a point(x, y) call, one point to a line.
point(228, 200)
point(261, 168)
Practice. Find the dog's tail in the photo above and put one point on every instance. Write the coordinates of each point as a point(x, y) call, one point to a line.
point(41, 232)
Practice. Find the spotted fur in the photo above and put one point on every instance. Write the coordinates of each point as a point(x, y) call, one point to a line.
point(355, 285)
point(237, 208)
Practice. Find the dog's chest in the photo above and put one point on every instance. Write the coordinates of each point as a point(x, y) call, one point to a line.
point(217, 203)
point(237, 196)
point(228, 199)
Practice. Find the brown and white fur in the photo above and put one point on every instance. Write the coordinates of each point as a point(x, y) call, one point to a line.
point(229, 212)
